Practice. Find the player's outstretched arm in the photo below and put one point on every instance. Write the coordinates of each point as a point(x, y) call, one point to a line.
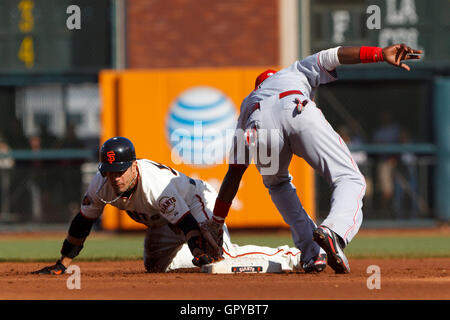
point(71, 248)
point(80, 228)
point(394, 55)
point(228, 190)
point(230, 185)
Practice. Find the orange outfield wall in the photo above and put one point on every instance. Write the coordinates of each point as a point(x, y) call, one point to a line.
point(137, 104)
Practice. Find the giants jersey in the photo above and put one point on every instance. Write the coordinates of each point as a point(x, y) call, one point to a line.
point(162, 195)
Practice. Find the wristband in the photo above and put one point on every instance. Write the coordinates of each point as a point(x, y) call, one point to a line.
point(371, 54)
point(221, 209)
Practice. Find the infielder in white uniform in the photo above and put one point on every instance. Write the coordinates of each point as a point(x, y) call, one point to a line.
point(280, 115)
point(172, 206)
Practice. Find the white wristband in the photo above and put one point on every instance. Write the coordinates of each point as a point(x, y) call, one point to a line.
point(329, 58)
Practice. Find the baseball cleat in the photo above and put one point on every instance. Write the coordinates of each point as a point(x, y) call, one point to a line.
point(328, 241)
point(317, 264)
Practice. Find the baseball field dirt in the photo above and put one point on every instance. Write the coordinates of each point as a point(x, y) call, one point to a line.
point(419, 277)
point(400, 279)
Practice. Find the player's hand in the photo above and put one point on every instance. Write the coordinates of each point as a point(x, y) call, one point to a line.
point(56, 269)
point(212, 232)
point(202, 259)
point(396, 53)
point(197, 245)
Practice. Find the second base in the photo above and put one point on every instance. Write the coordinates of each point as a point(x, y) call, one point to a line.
point(242, 265)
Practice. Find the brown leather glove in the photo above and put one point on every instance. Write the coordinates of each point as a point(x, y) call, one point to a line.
point(197, 246)
point(212, 232)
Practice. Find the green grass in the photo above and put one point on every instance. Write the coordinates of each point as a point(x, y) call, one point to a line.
point(399, 247)
point(125, 247)
point(95, 248)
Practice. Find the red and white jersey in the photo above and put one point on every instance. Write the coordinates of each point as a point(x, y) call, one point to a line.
point(302, 77)
point(161, 195)
point(305, 75)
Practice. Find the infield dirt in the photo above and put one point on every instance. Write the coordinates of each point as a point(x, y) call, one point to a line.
point(400, 279)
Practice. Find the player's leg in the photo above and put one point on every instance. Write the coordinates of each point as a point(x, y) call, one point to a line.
point(281, 190)
point(288, 258)
point(327, 153)
point(314, 139)
point(284, 196)
point(162, 248)
point(182, 260)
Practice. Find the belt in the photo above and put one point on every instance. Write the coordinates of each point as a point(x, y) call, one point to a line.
point(288, 93)
point(192, 181)
point(282, 95)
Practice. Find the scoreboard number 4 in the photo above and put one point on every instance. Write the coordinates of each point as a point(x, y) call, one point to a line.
point(26, 52)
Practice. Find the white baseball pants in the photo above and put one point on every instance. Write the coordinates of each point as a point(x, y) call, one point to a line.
point(304, 131)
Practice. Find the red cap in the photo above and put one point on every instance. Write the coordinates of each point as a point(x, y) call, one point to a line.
point(263, 76)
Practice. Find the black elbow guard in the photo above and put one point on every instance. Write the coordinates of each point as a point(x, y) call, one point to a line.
point(80, 226)
point(70, 250)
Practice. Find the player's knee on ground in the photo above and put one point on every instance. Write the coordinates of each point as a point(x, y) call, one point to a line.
point(152, 266)
point(157, 263)
point(158, 260)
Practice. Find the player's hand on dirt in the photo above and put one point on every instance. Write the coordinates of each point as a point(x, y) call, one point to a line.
point(56, 269)
point(396, 53)
point(202, 259)
point(212, 232)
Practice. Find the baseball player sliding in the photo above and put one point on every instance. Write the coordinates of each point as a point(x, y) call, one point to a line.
point(283, 102)
point(173, 207)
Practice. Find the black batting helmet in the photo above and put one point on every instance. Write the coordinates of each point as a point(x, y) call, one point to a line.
point(116, 155)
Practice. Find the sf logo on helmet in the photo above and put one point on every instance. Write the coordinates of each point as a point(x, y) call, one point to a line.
point(111, 155)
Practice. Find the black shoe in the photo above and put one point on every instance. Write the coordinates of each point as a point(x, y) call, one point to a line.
point(317, 264)
point(329, 241)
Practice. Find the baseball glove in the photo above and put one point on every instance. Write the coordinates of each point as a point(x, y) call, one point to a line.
point(212, 232)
